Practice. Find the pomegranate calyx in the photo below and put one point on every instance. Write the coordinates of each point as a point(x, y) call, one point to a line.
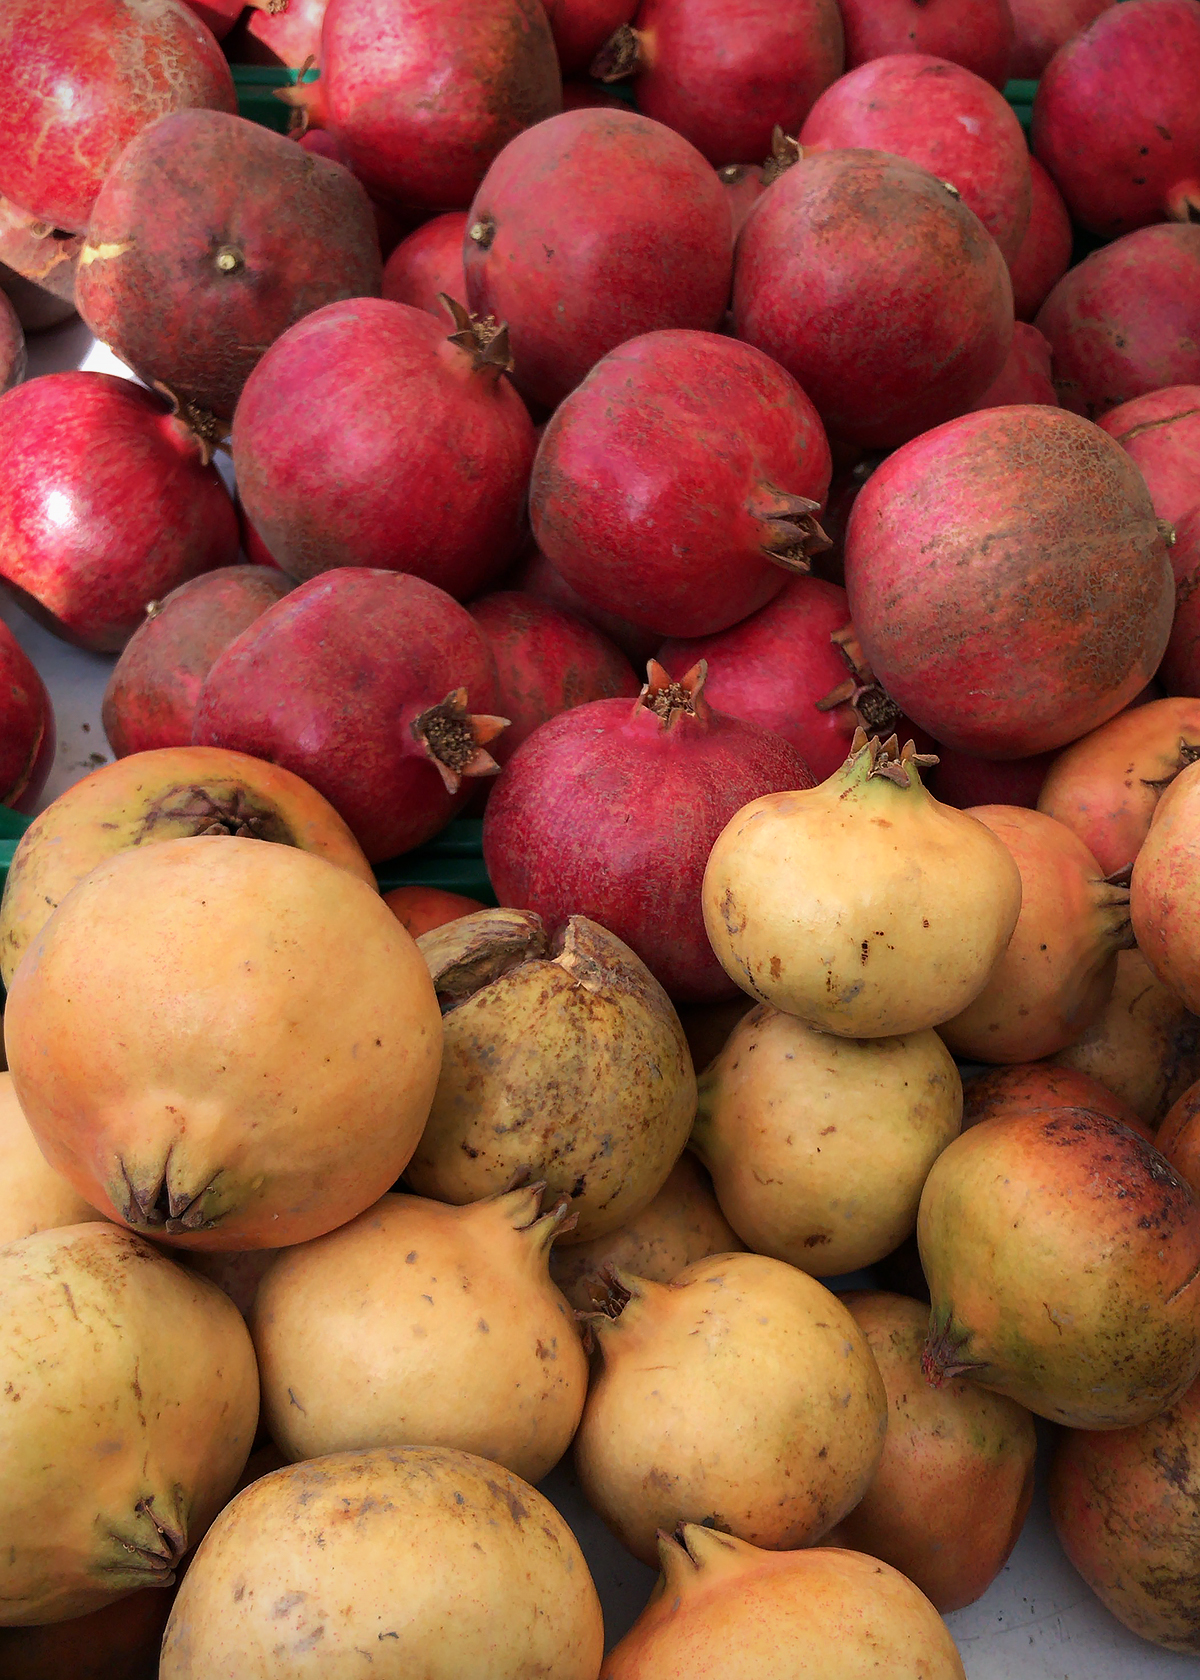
point(1166, 531)
point(1111, 898)
point(485, 340)
point(1183, 202)
point(273, 8)
point(670, 700)
point(197, 425)
point(554, 1222)
point(482, 232)
point(454, 739)
point(789, 530)
point(475, 951)
point(620, 57)
point(785, 151)
point(888, 759)
point(873, 707)
point(1189, 752)
point(151, 1205)
point(940, 1361)
point(303, 98)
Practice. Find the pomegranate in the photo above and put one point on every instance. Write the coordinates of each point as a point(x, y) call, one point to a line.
point(80, 86)
point(613, 808)
point(219, 16)
point(428, 264)
point(772, 1421)
point(37, 267)
point(818, 1147)
point(1126, 320)
point(204, 1079)
point(724, 1607)
point(120, 1642)
point(963, 779)
point(1179, 1136)
point(870, 845)
point(12, 346)
point(238, 1274)
point(1093, 1323)
point(1116, 119)
point(1044, 254)
point(1042, 26)
point(438, 1563)
point(726, 76)
point(878, 289)
point(403, 447)
point(33, 1197)
point(977, 34)
point(744, 186)
point(1165, 873)
point(1026, 376)
point(636, 228)
point(1179, 672)
point(288, 34)
point(1044, 1087)
point(421, 909)
point(534, 575)
point(27, 733)
point(360, 681)
point(155, 686)
point(1161, 430)
point(564, 1062)
point(707, 1026)
point(37, 307)
point(950, 1496)
point(99, 1326)
point(1008, 580)
point(107, 502)
point(581, 27)
point(680, 482)
point(1124, 1506)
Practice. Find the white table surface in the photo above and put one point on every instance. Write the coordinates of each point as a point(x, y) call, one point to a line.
point(1038, 1621)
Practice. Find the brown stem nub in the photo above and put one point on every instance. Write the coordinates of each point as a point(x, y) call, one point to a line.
point(789, 534)
point(203, 427)
point(485, 341)
point(454, 739)
point(873, 707)
point(784, 153)
point(620, 57)
point(670, 700)
point(888, 759)
point(940, 1361)
point(1189, 752)
point(1166, 531)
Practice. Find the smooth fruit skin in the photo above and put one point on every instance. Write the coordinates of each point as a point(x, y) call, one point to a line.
point(1163, 888)
point(107, 502)
point(1042, 26)
point(1043, 1086)
point(290, 37)
point(978, 34)
point(12, 346)
point(534, 575)
point(33, 1197)
point(877, 289)
point(79, 87)
point(1116, 119)
point(1179, 1136)
point(1179, 672)
point(1008, 580)
point(421, 909)
point(27, 730)
point(1044, 254)
point(589, 229)
point(1026, 376)
point(1161, 431)
point(427, 263)
point(581, 27)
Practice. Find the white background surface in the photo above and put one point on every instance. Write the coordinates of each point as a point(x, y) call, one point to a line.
point(1037, 1622)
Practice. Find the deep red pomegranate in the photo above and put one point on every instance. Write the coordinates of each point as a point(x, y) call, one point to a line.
point(681, 482)
point(964, 779)
point(427, 263)
point(253, 547)
point(977, 34)
point(613, 809)
point(1116, 119)
point(534, 575)
point(942, 117)
point(27, 735)
point(744, 186)
point(581, 27)
point(12, 346)
point(1027, 375)
point(80, 82)
point(1162, 432)
point(367, 436)
point(1179, 672)
point(726, 75)
point(588, 230)
point(37, 269)
point(1042, 26)
point(878, 290)
point(376, 688)
point(1008, 580)
point(1044, 255)
point(291, 35)
point(107, 502)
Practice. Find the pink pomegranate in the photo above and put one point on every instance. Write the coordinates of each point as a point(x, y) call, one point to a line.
point(368, 437)
point(1008, 580)
point(1042, 26)
point(1044, 254)
point(27, 736)
point(588, 230)
point(81, 82)
point(1116, 119)
point(581, 27)
point(287, 33)
point(744, 186)
point(613, 809)
point(428, 263)
point(1027, 376)
point(107, 502)
point(942, 117)
point(1162, 432)
point(878, 289)
point(964, 779)
point(534, 575)
point(12, 346)
point(680, 483)
point(376, 688)
point(726, 75)
point(1126, 320)
point(219, 16)
point(977, 34)
point(1179, 672)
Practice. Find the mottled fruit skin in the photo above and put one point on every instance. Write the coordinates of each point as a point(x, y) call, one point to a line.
point(1163, 889)
point(1044, 254)
point(27, 732)
point(589, 229)
point(1042, 26)
point(1026, 376)
point(1116, 119)
point(941, 117)
point(79, 87)
point(581, 27)
point(1179, 672)
point(367, 437)
point(1070, 595)
point(1161, 431)
point(12, 346)
point(427, 263)
point(1043, 1087)
point(878, 289)
point(291, 36)
point(1179, 1136)
point(106, 503)
point(1126, 320)
point(665, 487)
point(978, 34)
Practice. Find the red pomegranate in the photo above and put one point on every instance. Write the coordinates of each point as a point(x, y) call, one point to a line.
point(1126, 320)
point(977, 34)
point(534, 575)
point(37, 269)
point(1008, 579)
point(1027, 375)
point(1042, 26)
point(427, 264)
point(290, 35)
point(1116, 119)
point(878, 289)
point(12, 346)
point(726, 75)
point(1044, 255)
point(942, 117)
point(588, 230)
point(27, 735)
point(366, 436)
point(219, 16)
point(80, 82)
point(1162, 432)
point(1043, 1087)
point(964, 779)
point(679, 484)
point(613, 809)
point(1179, 672)
point(362, 683)
point(581, 27)
point(744, 186)
point(107, 502)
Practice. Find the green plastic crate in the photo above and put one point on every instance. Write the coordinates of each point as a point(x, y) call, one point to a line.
point(256, 84)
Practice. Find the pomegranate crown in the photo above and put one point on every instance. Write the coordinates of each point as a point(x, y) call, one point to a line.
point(888, 759)
point(454, 739)
point(484, 340)
point(874, 709)
point(670, 700)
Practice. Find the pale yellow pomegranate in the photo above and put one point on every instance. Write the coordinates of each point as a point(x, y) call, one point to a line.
point(1164, 886)
point(33, 1197)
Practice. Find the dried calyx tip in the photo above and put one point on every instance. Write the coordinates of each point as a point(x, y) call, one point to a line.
point(785, 151)
point(619, 57)
point(454, 739)
point(670, 700)
point(889, 759)
point(485, 340)
point(872, 705)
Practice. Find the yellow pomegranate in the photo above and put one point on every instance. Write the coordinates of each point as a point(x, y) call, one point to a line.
point(33, 1197)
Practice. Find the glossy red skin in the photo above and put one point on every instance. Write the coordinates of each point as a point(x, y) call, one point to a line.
point(1042, 26)
point(880, 292)
point(1026, 376)
point(12, 346)
point(328, 682)
point(546, 662)
point(609, 811)
point(534, 575)
point(724, 75)
point(27, 735)
point(152, 694)
point(1008, 581)
point(428, 262)
point(1116, 119)
point(744, 186)
point(941, 117)
point(218, 16)
point(963, 779)
point(1044, 255)
point(1162, 433)
point(581, 27)
point(607, 225)
point(1044, 1087)
point(424, 93)
point(290, 37)
point(365, 438)
point(80, 83)
point(1179, 672)
point(977, 34)
point(105, 504)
